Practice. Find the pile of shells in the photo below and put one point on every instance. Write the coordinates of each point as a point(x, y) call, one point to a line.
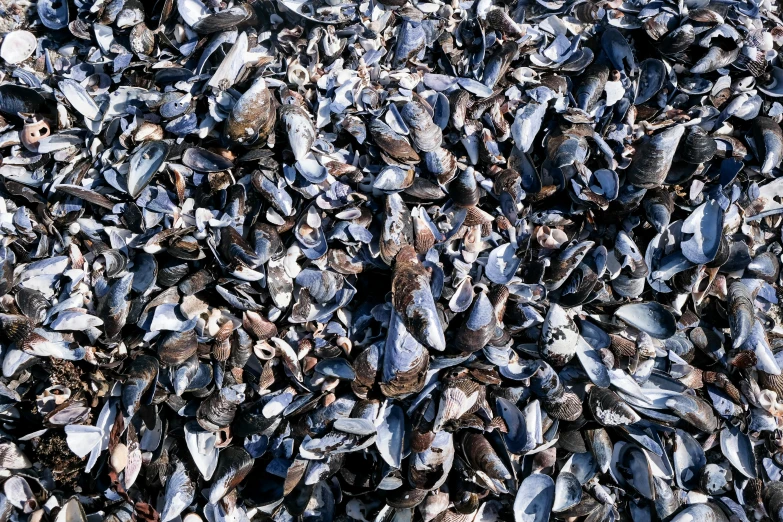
point(391, 261)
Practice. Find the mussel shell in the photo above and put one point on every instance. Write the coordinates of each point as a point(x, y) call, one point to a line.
point(144, 163)
point(568, 492)
point(393, 144)
point(203, 160)
point(479, 326)
point(16, 99)
point(299, 129)
point(609, 409)
point(32, 303)
point(403, 498)
point(651, 318)
point(678, 40)
point(695, 411)
point(653, 158)
point(253, 116)
point(139, 387)
point(176, 347)
point(233, 466)
point(698, 146)
point(651, 78)
point(535, 498)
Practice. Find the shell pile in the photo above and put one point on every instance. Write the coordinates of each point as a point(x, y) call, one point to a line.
point(391, 261)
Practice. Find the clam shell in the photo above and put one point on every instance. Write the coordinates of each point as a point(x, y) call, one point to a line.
point(17, 46)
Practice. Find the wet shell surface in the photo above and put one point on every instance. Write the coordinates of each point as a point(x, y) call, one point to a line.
point(322, 261)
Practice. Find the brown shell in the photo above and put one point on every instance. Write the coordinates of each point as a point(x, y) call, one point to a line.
point(482, 457)
point(267, 378)
point(259, 326)
point(498, 296)
point(216, 412)
point(221, 349)
point(421, 440)
point(253, 116)
point(622, 346)
point(772, 382)
point(366, 367)
point(693, 380)
point(458, 398)
point(452, 516)
point(423, 239)
point(476, 216)
point(196, 282)
point(609, 409)
point(392, 143)
point(408, 381)
point(459, 101)
point(506, 181)
point(177, 347)
point(567, 407)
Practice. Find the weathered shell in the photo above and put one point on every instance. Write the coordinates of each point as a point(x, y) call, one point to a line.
point(412, 298)
point(558, 337)
point(741, 317)
point(17, 46)
point(53, 14)
point(176, 347)
point(426, 136)
point(253, 116)
point(397, 229)
point(139, 387)
point(482, 457)
point(609, 409)
point(299, 128)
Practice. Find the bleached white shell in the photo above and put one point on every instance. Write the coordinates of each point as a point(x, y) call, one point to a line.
point(18, 46)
